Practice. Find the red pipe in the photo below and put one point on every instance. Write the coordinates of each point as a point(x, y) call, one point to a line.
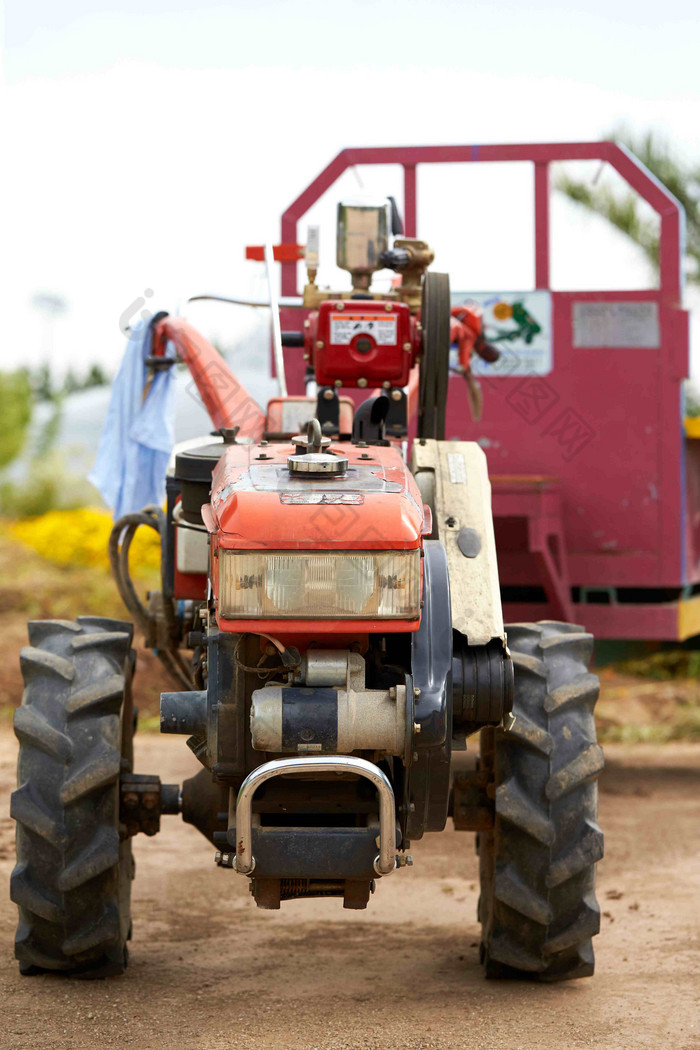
point(226, 399)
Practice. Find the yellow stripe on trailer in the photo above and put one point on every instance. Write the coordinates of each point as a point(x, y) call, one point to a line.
point(688, 616)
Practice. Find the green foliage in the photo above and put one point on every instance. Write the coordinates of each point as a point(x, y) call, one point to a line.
point(686, 726)
point(691, 401)
point(96, 376)
point(30, 498)
point(621, 208)
point(46, 437)
point(43, 383)
point(664, 666)
point(15, 413)
point(48, 486)
point(46, 388)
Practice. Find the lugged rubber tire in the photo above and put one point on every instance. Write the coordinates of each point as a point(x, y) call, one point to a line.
point(537, 909)
point(72, 880)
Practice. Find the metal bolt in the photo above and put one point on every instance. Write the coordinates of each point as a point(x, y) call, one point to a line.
point(319, 344)
point(415, 756)
point(328, 394)
point(337, 382)
point(386, 384)
point(407, 347)
point(416, 692)
point(306, 357)
point(218, 856)
point(362, 382)
point(411, 807)
point(307, 323)
point(388, 307)
point(450, 522)
point(409, 861)
point(264, 444)
point(396, 395)
point(340, 305)
point(417, 727)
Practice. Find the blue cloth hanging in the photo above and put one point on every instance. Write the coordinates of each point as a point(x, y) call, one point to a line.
point(137, 436)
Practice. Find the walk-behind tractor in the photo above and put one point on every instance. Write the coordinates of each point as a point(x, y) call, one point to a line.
point(331, 615)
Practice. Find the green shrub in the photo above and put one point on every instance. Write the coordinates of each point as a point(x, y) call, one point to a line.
point(15, 413)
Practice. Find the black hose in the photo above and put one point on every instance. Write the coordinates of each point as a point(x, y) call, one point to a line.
point(120, 540)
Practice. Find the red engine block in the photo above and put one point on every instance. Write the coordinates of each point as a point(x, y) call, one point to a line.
point(362, 342)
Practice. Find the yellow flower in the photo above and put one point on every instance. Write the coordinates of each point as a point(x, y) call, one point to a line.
point(79, 537)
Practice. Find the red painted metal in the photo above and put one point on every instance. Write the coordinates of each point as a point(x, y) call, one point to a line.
point(410, 201)
point(280, 252)
point(630, 622)
point(247, 515)
point(535, 505)
point(606, 422)
point(539, 154)
point(363, 359)
point(226, 399)
point(541, 225)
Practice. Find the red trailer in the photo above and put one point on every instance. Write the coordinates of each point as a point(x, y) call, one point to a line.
point(596, 487)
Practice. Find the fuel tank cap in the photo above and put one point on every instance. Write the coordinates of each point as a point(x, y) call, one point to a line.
point(313, 456)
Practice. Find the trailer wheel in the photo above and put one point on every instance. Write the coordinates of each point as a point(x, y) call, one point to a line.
point(537, 909)
point(72, 881)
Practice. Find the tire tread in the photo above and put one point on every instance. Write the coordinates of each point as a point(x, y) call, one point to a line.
point(538, 908)
point(68, 882)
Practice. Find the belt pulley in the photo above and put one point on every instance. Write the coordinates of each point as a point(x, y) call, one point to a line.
point(435, 356)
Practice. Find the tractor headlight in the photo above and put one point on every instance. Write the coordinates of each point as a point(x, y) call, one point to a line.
point(319, 585)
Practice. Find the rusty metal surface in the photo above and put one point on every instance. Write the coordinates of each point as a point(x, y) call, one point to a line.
point(473, 806)
point(139, 804)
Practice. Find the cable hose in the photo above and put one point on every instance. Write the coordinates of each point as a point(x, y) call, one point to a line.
point(120, 540)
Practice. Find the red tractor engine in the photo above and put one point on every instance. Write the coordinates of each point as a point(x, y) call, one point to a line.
point(360, 343)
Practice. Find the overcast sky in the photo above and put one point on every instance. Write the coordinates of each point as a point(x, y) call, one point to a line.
point(149, 141)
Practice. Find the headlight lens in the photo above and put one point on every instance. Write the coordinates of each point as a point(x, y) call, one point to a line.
point(313, 585)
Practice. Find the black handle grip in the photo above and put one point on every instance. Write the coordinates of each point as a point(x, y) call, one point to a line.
point(290, 339)
point(159, 364)
point(487, 351)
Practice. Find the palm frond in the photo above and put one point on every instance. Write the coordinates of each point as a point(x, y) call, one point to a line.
point(621, 207)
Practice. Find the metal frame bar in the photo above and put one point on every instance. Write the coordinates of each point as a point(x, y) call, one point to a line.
point(541, 155)
point(386, 858)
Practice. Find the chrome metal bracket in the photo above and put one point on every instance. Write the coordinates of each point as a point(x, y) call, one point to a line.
point(385, 861)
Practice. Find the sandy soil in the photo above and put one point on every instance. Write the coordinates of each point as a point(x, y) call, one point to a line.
point(210, 971)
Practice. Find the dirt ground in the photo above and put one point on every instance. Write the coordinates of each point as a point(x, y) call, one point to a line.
point(210, 971)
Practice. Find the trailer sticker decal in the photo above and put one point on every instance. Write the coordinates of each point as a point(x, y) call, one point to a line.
point(519, 325)
point(344, 328)
point(620, 324)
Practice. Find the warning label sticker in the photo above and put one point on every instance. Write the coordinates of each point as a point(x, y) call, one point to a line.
point(345, 327)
